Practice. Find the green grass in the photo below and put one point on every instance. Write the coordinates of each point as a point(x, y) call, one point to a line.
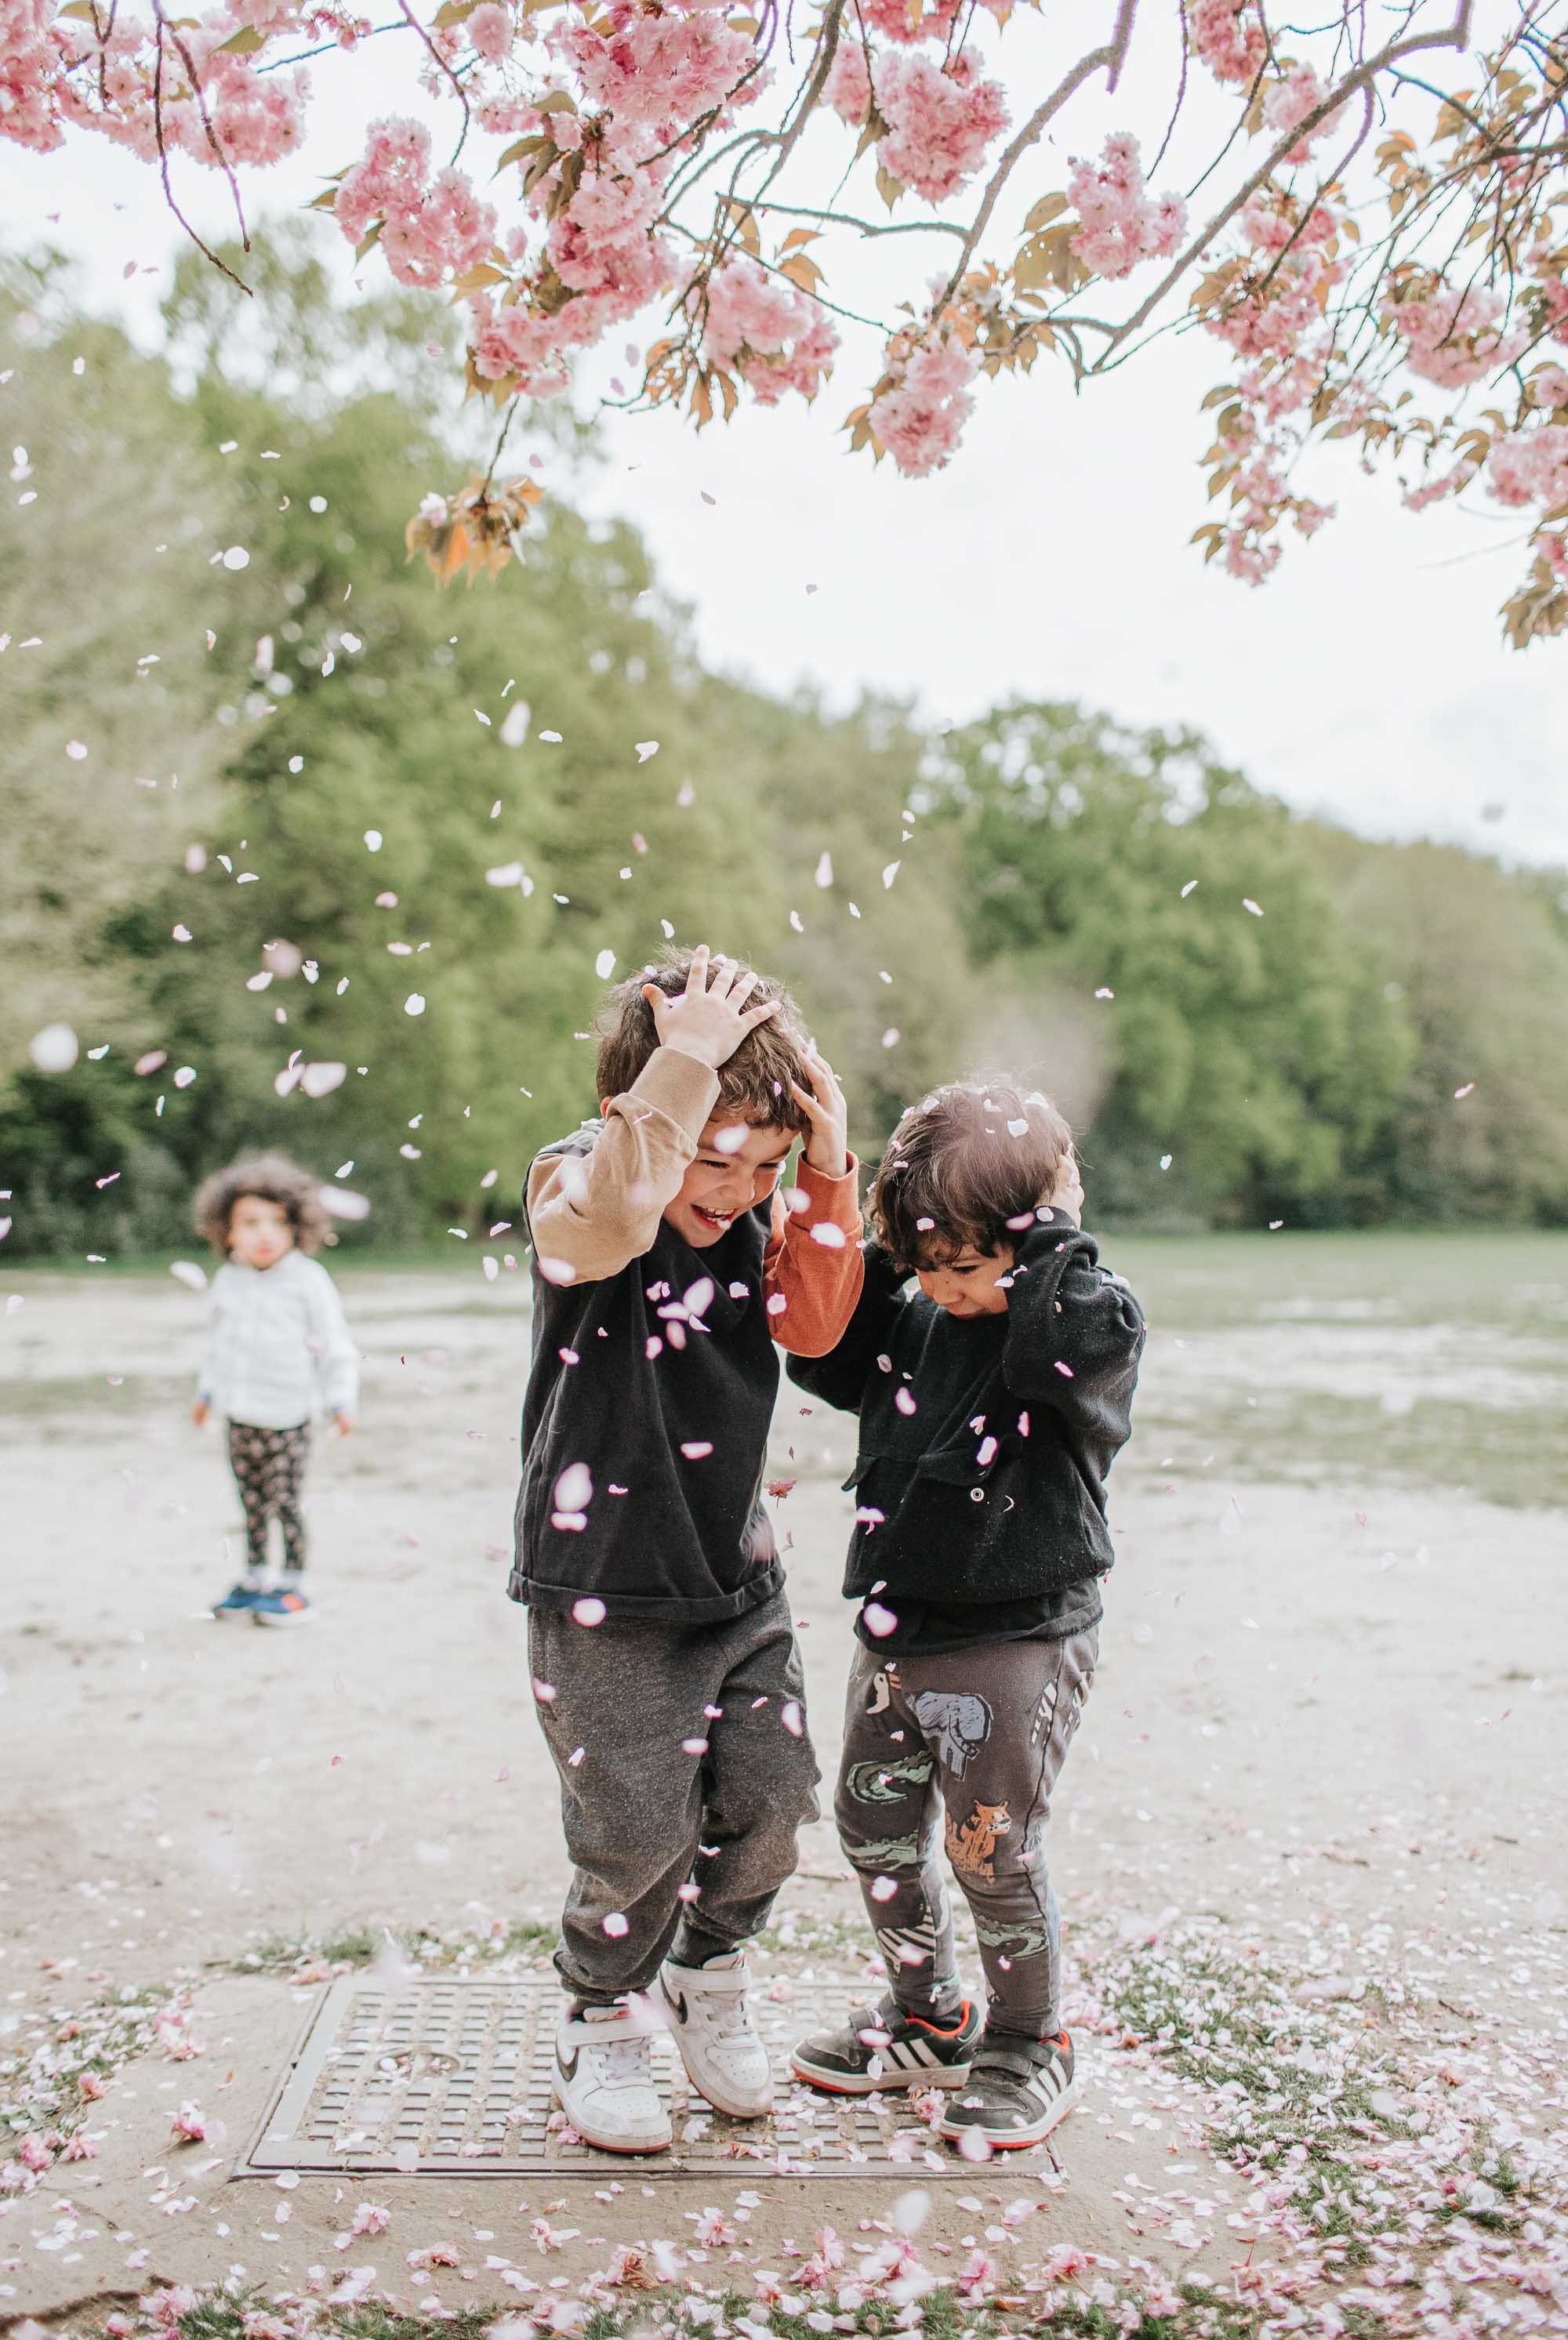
point(1498, 1301)
point(1293, 2088)
point(1511, 1280)
point(359, 1945)
point(1190, 2311)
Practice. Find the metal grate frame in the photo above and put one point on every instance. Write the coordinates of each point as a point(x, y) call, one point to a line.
point(448, 2076)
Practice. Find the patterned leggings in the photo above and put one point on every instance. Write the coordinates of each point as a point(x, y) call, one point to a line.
point(964, 1746)
point(269, 1465)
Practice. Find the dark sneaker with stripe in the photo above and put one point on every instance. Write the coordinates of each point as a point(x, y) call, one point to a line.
point(882, 2047)
point(1015, 2092)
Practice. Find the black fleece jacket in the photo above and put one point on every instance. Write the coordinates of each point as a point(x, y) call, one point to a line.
point(676, 1529)
point(985, 1440)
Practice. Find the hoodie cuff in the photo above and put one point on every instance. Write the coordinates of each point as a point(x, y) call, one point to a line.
point(678, 1086)
point(834, 1199)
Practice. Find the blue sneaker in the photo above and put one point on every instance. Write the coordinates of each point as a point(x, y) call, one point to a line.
point(241, 1602)
point(281, 1607)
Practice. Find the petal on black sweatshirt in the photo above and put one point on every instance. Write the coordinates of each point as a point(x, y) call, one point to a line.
point(984, 1442)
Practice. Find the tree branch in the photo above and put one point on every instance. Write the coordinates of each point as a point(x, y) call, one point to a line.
point(1454, 36)
point(1109, 55)
point(441, 65)
point(204, 249)
point(846, 219)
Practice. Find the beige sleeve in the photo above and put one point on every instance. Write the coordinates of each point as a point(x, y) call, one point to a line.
point(591, 1214)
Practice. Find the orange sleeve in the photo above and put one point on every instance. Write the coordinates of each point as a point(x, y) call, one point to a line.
point(810, 1282)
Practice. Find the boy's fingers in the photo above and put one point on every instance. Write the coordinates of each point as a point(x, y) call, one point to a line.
point(697, 974)
point(755, 1016)
point(742, 989)
point(655, 997)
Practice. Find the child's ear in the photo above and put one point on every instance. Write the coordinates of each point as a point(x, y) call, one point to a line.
point(604, 1105)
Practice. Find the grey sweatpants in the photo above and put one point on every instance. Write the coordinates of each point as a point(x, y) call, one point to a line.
point(980, 1735)
point(685, 1772)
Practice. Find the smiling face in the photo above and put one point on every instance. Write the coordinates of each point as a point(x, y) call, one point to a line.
point(259, 1232)
point(966, 1285)
point(735, 1167)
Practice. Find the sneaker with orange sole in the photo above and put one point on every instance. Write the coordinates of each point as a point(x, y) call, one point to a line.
point(882, 2047)
point(282, 1606)
point(1014, 2093)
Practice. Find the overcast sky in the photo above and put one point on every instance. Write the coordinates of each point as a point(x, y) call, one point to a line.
point(1366, 679)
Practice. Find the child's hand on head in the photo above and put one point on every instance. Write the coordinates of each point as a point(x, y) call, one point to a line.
point(708, 1021)
point(823, 1105)
point(1068, 1194)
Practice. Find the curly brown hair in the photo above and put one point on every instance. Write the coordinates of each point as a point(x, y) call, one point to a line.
point(753, 1083)
point(963, 1167)
point(271, 1178)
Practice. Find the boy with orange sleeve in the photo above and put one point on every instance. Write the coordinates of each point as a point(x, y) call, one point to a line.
point(667, 1681)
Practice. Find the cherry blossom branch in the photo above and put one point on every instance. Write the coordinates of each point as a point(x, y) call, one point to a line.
point(1455, 36)
point(826, 45)
point(205, 250)
point(219, 156)
point(770, 268)
point(864, 227)
point(303, 56)
point(440, 62)
point(1257, 290)
point(510, 417)
point(1109, 55)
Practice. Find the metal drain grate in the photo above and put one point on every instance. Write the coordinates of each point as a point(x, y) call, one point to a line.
point(441, 2077)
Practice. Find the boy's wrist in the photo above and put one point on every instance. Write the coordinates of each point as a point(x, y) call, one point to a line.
point(830, 1178)
point(678, 1084)
point(695, 1050)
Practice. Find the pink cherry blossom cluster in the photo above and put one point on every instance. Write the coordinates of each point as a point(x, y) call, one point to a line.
point(622, 94)
point(658, 71)
point(59, 73)
point(1436, 492)
point(431, 228)
point(1119, 223)
point(1531, 467)
point(940, 119)
point(1228, 35)
point(1290, 101)
point(767, 330)
point(847, 88)
point(1456, 334)
point(904, 20)
point(1274, 315)
point(29, 63)
point(920, 419)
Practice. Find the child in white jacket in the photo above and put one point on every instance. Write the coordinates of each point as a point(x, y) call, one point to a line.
point(278, 1354)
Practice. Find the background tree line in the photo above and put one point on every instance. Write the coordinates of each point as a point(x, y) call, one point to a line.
point(1249, 1015)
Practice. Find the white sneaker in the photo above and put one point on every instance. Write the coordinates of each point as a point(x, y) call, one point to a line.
point(706, 2010)
point(603, 2081)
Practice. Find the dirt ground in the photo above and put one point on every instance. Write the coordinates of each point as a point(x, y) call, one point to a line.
point(1328, 1724)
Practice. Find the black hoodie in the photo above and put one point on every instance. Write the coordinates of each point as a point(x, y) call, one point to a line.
point(984, 1442)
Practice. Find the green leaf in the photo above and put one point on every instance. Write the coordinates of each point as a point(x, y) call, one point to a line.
point(455, 12)
point(243, 44)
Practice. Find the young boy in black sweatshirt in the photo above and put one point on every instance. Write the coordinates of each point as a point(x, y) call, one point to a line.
point(991, 1402)
point(666, 1266)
